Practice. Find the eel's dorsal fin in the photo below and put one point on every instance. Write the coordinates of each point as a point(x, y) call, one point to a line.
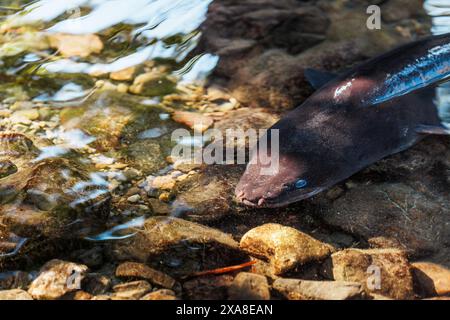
point(437, 130)
point(317, 78)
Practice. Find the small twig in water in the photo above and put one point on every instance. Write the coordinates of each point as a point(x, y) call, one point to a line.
point(223, 270)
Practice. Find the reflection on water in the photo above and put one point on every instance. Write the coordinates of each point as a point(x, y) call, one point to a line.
point(439, 10)
point(86, 91)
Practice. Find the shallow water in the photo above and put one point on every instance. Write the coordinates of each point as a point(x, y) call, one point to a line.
point(93, 83)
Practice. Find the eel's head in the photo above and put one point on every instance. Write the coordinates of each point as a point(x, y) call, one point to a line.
point(294, 179)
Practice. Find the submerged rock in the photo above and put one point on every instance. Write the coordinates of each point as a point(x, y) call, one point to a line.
point(14, 280)
point(294, 289)
point(381, 271)
point(208, 288)
point(131, 290)
point(284, 247)
point(76, 45)
point(154, 83)
point(162, 294)
point(431, 279)
point(179, 247)
point(249, 286)
point(45, 198)
point(193, 120)
point(396, 214)
point(95, 283)
point(208, 195)
point(57, 278)
point(14, 294)
point(139, 270)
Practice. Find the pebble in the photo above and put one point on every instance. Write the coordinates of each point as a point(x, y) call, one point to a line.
point(193, 120)
point(134, 198)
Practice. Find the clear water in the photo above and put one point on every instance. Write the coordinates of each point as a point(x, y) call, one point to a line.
point(67, 94)
point(439, 10)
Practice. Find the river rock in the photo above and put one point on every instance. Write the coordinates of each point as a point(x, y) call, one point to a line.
point(76, 45)
point(96, 284)
point(394, 214)
point(286, 248)
point(208, 195)
point(14, 294)
point(139, 270)
point(179, 247)
point(56, 278)
point(249, 286)
point(193, 120)
point(131, 290)
point(381, 271)
point(244, 119)
point(154, 83)
point(163, 294)
point(264, 46)
point(267, 23)
point(208, 287)
point(294, 289)
point(14, 280)
point(431, 279)
point(43, 197)
point(31, 207)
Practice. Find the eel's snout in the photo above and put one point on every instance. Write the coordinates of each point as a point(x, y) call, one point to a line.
point(242, 197)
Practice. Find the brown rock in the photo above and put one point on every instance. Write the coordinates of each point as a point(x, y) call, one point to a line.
point(56, 278)
point(208, 288)
point(139, 270)
point(179, 247)
point(131, 290)
point(76, 45)
point(124, 74)
point(431, 279)
point(162, 294)
point(381, 271)
point(14, 280)
point(14, 294)
point(249, 286)
point(294, 289)
point(96, 284)
point(395, 215)
point(285, 247)
point(208, 195)
point(154, 83)
point(193, 120)
point(77, 295)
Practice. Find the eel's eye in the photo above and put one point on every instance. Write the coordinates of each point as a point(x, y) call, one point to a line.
point(299, 184)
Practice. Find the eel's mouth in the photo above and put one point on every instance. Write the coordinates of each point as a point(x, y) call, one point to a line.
point(261, 202)
point(275, 202)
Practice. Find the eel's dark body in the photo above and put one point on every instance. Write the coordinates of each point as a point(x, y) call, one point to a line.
point(379, 108)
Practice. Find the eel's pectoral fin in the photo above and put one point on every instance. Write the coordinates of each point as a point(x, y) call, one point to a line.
point(427, 129)
point(318, 79)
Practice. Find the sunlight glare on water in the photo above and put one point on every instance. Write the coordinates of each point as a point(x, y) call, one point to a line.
point(439, 10)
